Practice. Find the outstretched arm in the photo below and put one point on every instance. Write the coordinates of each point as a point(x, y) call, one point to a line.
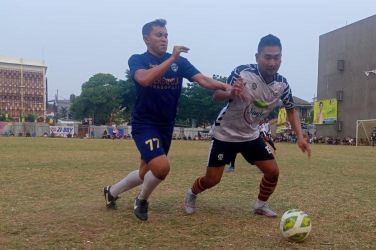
point(210, 83)
point(146, 77)
point(236, 90)
point(294, 120)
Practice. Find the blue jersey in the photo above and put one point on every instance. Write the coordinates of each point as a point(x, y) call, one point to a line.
point(157, 103)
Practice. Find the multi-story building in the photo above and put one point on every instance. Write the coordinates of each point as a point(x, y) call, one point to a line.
point(347, 72)
point(22, 87)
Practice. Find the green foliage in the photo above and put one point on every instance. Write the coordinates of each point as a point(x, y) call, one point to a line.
point(309, 119)
point(128, 98)
point(220, 78)
point(30, 118)
point(100, 96)
point(196, 103)
point(5, 118)
point(63, 113)
point(108, 100)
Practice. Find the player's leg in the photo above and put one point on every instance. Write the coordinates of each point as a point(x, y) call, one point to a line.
point(258, 153)
point(220, 153)
point(133, 179)
point(210, 179)
point(268, 184)
point(154, 145)
point(231, 166)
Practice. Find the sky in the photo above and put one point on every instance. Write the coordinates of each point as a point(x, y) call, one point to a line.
point(80, 38)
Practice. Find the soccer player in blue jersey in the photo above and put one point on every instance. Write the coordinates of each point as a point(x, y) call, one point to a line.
point(236, 129)
point(158, 78)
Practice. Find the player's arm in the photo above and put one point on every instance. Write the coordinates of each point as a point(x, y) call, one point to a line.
point(210, 83)
point(293, 117)
point(146, 77)
point(236, 90)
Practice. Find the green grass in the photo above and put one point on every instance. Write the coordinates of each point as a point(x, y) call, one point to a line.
point(51, 198)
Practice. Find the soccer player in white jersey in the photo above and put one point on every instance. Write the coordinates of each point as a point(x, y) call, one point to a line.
point(236, 128)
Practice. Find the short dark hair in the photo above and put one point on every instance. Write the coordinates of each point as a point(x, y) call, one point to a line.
point(269, 40)
point(146, 29)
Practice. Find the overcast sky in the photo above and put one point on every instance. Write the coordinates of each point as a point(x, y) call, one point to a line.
point(79, 38)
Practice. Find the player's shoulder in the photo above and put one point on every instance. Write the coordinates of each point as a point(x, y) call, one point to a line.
point(137, 57)
point(280, 78)
point(246, 67)
point(235, 74)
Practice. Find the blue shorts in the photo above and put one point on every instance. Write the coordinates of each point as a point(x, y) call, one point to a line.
point(152, 141)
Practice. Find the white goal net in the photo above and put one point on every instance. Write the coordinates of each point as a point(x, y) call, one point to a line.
point(364, 129)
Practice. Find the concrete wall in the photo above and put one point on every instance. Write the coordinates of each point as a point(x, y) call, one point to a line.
point(355, 46)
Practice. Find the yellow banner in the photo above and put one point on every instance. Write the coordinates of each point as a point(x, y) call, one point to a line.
point(282, 117)
point(282, 124)
point(325, 111)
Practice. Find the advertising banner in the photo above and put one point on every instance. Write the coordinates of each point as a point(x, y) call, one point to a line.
point(325, 111)
point(62, 131)
point(282, 124)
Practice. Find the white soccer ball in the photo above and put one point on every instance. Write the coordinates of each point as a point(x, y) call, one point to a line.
point(295, 225)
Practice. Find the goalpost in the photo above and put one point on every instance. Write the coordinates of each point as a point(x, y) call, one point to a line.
point(364, 129)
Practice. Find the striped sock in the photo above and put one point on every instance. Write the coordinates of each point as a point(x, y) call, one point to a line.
point(198, 186)
point(267, 187)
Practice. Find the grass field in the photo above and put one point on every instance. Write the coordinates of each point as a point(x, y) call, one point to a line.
point(51, 198)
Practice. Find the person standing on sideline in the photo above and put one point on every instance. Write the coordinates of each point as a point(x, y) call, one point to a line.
point(231, 166)
point(373, 136)
point(158, 78)
point(236, 128)
point(266, 134)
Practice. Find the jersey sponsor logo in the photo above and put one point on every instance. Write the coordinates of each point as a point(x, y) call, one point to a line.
point(252, 112)
point(174, 67)
point(254, 86)
point(166, 83)
point(261, 104)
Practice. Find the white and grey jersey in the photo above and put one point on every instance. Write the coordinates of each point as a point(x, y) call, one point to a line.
point(238, 121)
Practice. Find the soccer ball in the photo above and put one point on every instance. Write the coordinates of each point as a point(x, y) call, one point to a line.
point(295, 225)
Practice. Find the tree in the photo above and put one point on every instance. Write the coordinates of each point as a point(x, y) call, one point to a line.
point(5, 117)
point(100, 96)
point(128, 96)
point(30, 117)
point(196, 103)
point(220, 78)
point(63, 112)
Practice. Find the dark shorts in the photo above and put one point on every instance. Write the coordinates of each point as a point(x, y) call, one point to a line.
point(221, 153)
point(152, 141)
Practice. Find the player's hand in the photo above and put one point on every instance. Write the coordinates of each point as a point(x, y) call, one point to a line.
point(238, 89)
point(179, 49)
point(305, 147)
point(227, 87)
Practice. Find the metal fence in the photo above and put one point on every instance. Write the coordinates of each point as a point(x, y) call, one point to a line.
point(89, 131)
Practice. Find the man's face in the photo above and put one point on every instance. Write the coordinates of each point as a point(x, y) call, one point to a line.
point(157, 40)
point(269, 60)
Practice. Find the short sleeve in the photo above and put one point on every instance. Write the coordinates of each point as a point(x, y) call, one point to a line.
point(288, 101)
point(187, 70)
point(135, 63)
